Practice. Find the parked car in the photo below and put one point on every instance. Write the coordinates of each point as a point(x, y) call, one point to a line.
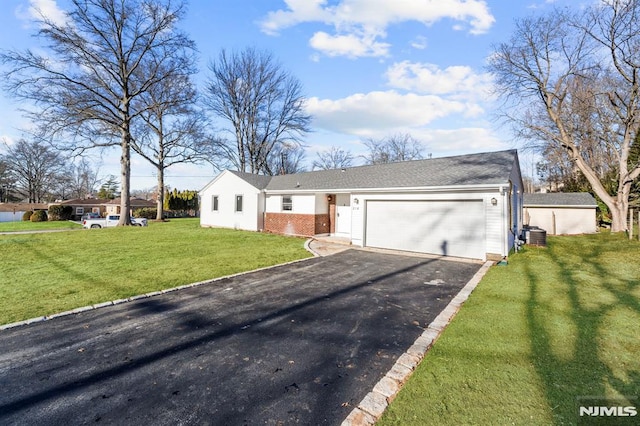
point(111, 220)
point(90, 215)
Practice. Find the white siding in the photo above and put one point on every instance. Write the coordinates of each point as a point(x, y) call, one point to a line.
point(495, 220)
point(227, 186)
point(322, 204)
point(273, 204)
point(11, 216)
point(517, 188)
point(302, 203)
point(568, 221)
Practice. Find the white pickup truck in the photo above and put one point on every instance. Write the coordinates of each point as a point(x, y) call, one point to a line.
point(111, 220)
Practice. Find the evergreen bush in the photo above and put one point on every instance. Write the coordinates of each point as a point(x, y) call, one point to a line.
point(58, 212)
point(146, 212)
point(39, 216)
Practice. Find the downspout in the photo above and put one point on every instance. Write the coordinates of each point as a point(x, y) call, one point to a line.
point(264, 210)
point(503, 215)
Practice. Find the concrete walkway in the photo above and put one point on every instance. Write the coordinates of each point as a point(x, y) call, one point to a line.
point(326, 246)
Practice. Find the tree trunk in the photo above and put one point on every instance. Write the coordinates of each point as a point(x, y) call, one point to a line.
point(620, 210)
point(125, 166)
point(160, 209)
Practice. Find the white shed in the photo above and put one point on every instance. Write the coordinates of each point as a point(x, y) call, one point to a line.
point(561, 213)
point(13, 212)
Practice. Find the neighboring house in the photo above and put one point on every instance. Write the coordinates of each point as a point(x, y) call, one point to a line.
point(85, 205)
point(465, 206)
point(561, 213)
point(13, 212)
point(113, 206)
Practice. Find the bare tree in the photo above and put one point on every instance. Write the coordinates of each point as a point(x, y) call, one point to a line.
point(100, 61)
point(261, 101)
point(398, 147)
point(36, 168)
point(6, 180)
point(285, 159)
point(572, 81)
point(333, 158)
point(172, 129)
point(83, 179)
point(145, 194)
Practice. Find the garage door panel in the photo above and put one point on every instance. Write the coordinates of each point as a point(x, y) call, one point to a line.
point(451, 228)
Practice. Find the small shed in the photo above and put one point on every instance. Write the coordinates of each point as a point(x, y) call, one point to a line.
point(561, 213)
point(12, 212)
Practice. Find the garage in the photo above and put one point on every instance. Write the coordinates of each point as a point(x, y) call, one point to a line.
point(449, 228)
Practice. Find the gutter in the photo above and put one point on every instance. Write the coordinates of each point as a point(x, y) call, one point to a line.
point(449, 188)
point(558, 206)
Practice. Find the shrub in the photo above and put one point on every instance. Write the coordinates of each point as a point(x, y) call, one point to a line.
point(58, 212)
point(27, 216)
point(39, 216)
point(146, 212)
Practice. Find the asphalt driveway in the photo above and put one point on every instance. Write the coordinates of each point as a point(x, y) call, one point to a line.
point(295, 344)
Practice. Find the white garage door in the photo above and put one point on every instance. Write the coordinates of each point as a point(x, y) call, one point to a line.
point(450, 228)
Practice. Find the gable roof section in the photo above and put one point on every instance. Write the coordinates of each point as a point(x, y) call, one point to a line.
point(85, 202)
point(493, 168)
point(21, 207)
point(560, 199)
point(257, 181)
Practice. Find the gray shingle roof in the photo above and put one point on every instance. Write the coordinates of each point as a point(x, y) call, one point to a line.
point(566, 199)
point(489, 168)
point(472, 169)
point(258, 181)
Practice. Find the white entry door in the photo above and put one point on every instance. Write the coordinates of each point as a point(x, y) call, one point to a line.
point(449, 228)
point(343, 214)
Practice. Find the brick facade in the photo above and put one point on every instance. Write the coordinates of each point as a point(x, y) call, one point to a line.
point(297, 224)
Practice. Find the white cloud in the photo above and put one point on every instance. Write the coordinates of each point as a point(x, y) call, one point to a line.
point(368, 20)
point(368, 114)
point(299, 11)
point(462, 140)
point(419, 43)
point(459, 82)
point(349, 45)
point(39, 9)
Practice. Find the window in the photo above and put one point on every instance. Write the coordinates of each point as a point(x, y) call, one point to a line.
point(79, 211)
point(214, 203)
point(287, 203)
point(238, 203)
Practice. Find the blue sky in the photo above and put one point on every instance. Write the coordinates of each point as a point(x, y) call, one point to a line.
point(369, 68)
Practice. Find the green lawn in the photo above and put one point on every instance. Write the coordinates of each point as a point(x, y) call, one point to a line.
point(556, 324)
point(37, 226)
point(45, 273)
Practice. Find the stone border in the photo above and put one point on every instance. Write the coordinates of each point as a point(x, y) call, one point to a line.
point(369, 410)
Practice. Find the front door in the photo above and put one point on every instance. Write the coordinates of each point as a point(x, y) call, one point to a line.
point(343, 214)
